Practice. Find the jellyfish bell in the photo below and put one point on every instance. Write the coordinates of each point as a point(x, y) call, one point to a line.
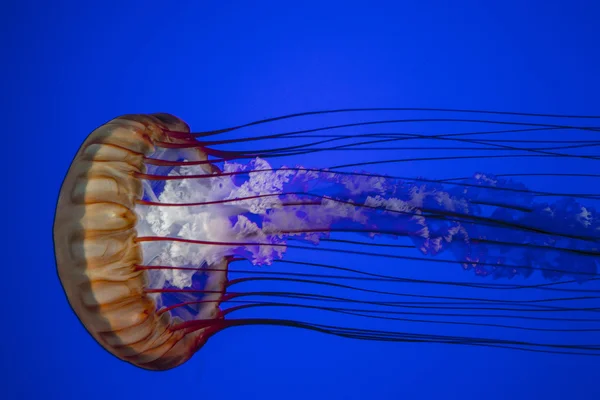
point(147, 227)
point(97, 255)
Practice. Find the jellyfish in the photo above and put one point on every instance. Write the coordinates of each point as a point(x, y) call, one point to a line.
point(152, 221)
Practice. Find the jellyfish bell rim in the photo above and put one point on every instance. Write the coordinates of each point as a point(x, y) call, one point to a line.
point(95, 212)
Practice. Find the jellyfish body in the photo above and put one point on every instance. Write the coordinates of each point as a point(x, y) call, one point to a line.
point(96, 250)
point(146, 227)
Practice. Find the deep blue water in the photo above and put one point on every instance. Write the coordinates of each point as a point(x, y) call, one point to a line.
point(69, 66)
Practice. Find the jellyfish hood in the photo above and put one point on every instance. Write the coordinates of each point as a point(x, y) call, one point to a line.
point(96, 250)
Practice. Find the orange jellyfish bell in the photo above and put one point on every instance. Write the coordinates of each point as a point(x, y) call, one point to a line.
point(97, 255)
